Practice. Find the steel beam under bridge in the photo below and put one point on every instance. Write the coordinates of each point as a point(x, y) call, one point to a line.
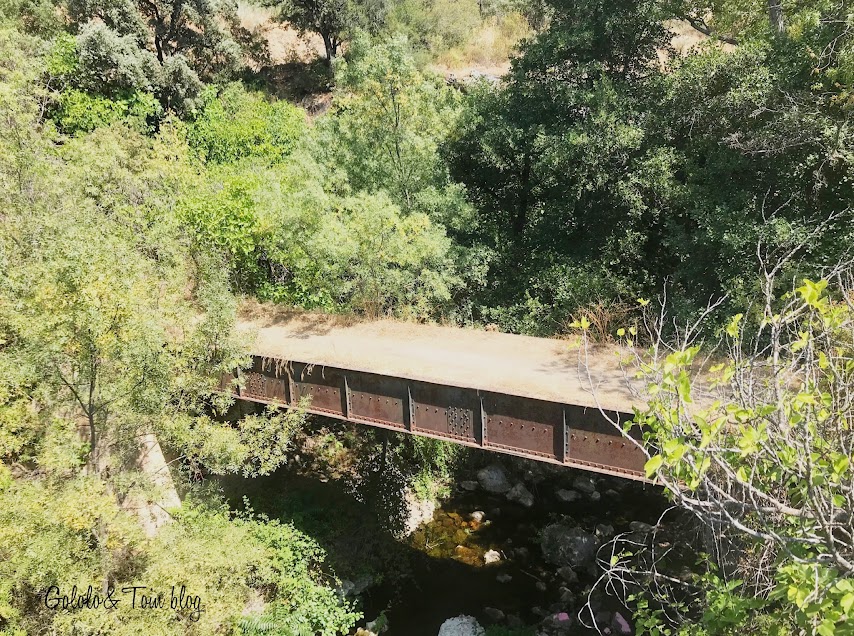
point(565, 434)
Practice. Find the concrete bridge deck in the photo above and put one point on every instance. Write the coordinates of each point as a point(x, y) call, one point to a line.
point(527, 396)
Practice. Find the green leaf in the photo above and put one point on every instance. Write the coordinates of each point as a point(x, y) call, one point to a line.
point(847, 602)
point(653, 464)
point(732, 328)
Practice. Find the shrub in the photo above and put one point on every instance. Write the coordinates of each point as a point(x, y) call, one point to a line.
point(239, 124)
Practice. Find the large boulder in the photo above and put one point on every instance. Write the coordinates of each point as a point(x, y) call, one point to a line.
point(461, 626)
point(491, 556)
point(493, 479)
point(584, 484)
point(520, 495)
point(418, 511)
point(567, 496)
point(564, 545)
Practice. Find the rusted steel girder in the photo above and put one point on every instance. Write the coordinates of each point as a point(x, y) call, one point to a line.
point(565, 434)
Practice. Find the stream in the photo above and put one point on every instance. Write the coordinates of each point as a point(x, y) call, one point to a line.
point(443, 568)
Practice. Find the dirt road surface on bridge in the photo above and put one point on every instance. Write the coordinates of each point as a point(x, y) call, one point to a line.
point(543, 368)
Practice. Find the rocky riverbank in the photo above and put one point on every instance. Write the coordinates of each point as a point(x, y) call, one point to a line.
point(512, 544)
point(528, 535)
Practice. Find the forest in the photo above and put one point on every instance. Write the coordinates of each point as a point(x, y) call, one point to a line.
point(672, 176)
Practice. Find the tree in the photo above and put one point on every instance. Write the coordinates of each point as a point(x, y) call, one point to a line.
point(606, 171)
point(237, 124)
point(735, 22)
point(388, 122)
point(335, 21)
point(558, 166)
point(116, 326)
point(756, 444)
point(165, 48)
point(208, 34)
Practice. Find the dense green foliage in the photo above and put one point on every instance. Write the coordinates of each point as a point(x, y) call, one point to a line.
point(759, 448)
point(146, 182)
point(335, 21)
point(598, 174)
point(114, 326)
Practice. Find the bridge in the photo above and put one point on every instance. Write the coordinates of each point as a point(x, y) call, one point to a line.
point(531, 397)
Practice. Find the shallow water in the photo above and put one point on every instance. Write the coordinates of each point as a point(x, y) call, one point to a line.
point(451, 578)
point(439, 571)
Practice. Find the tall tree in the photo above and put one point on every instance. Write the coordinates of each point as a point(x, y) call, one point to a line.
point(549, 157)
point(335, 21)
point(168, 48)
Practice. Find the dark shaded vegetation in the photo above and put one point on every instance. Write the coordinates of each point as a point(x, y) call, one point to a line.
point(154, 168)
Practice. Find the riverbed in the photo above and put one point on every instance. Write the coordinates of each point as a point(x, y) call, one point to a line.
point(479, 554)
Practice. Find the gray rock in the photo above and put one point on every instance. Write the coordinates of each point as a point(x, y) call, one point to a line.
point(468, 485)
point(620, 624)
point(493, 479)
point(361, 584)
point(604, 530)
point(567, 496)
point(558, 621)
point(534, 475)
point(566, 596)
point(603, 619)
point(503, 578)
point(477, 515)
point(640, 527)
point(611, 493)
point(378, 626)
point(542, 587)
point(564, 545)
point(584, 484)
point(345, 589)
point(595, 496)
point(514, 621)
point(568, 574)
point(495, 615)
point(521, 495)
point(461, 626)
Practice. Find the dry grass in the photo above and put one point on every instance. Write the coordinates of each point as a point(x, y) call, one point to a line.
point(267, 314)
point(604, 318)
point(489, 49)
point(285, 43)
point(686, 39)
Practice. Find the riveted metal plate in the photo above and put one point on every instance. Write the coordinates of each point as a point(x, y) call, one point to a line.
point(594, 441)
point(323, 385)
point(445, 411)
point(538, 429)
point(378, 399)
point(266, 380)
point(524, 425)
point(460, 422)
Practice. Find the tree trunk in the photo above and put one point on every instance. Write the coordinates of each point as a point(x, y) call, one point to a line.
point(521, 218)
point(384, 455)
point(775, 15)
point(159, 47)
point(330, 46)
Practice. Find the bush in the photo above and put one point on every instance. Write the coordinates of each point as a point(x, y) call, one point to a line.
point(78, 111)
point(239, 124)
point(757, 446)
